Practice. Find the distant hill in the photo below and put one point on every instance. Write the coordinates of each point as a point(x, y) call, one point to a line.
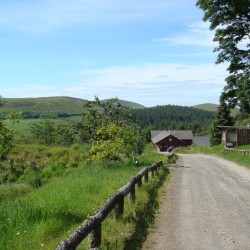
point(207, 106)
point(213, 108)
point(51, 105)
point(132, 105)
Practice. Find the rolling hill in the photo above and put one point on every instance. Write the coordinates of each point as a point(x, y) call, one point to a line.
point(51, 105)
point(213, 108)
point(207, 106)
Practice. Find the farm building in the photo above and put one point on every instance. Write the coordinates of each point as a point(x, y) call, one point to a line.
point(166, 139)
point(235, 135)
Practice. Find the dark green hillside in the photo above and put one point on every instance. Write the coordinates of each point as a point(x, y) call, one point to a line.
point(175, 117)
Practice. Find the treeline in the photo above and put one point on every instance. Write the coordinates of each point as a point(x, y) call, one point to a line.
point(38, 115)
point(175, 117)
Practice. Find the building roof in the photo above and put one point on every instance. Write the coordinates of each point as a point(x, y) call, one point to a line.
point(234, 127)
point(158, 135)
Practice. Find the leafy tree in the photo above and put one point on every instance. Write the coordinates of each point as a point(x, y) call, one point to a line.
point(44, 131)
point(231, 20)
point(222, 118)
point(7, 134)
point(112, 131)
point(66, 133)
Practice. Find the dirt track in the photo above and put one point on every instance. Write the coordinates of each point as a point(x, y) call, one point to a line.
point(206, 205)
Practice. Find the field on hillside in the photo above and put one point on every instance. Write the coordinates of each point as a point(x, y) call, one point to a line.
point(23, 127)
point(44, 216)
point(49, 105)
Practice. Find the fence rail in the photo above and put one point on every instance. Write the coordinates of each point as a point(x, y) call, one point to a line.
point(239, 151)
point(92, 225)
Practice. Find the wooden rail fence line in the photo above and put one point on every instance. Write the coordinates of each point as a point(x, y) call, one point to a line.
point(92, 225)
point(239, 151)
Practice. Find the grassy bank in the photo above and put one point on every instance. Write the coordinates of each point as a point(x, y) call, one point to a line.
point(44, 216)
point(35, 164)
point(241, 159)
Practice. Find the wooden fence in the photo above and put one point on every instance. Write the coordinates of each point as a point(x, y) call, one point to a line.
point(239, 151)
point(92, 225)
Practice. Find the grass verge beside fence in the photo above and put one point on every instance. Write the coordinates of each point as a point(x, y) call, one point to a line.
point(45, 216)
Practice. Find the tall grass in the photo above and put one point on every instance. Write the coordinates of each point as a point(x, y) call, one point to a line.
point(45, 216)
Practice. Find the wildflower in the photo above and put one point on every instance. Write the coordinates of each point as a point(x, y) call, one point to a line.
point(17, 233)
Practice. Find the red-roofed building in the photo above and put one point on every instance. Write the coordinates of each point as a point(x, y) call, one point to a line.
point(166, 139)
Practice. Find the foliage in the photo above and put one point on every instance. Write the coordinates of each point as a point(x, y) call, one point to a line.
point(45, 132)
point(27, 163)
point(231, 20)
point(49, 132)
point(111, 130)
point(222, 118)
point(174, 117)
point(7, 134)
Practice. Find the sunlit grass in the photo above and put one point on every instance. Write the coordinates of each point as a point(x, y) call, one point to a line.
point(45, 216)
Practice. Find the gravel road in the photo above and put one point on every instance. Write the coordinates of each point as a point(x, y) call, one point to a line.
point(206, 205)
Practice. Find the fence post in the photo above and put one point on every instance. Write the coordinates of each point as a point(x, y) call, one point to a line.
point(146, 177)
point(95, 237)
point(139, 183)
point(119, 209)
point(152, 173)
point(131, 195)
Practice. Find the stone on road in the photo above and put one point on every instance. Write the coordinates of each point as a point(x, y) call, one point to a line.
point(206, 205)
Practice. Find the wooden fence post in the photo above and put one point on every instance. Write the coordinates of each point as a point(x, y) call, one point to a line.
point(119, 209)
point(95, 237)
point(139, 183)
point(146, 177)
point(152, 173)
point(131, 195)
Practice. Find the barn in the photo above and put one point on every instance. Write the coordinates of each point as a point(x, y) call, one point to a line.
point(166, 139)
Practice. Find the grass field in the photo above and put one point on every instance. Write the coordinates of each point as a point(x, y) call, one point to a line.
point(23, 127)
point(44, 216)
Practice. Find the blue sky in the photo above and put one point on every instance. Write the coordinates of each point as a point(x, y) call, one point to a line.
point(153, 52)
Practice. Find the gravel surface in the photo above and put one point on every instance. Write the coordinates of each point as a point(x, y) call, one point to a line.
point(206, 205)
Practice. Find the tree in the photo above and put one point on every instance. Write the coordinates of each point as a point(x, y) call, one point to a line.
point(231, 20)
point(112, 131)
point(44, 131)
point(222, 118)
point(7, 134)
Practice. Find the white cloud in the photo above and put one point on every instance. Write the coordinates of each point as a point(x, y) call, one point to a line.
point(149, 84)
point(155, 83)
point(197, 34)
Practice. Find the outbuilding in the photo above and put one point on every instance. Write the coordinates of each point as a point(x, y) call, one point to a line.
point(235, 135)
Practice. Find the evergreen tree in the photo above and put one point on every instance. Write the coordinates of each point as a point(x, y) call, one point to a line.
point(222, 118)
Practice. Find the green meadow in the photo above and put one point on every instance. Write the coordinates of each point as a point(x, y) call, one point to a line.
point(40, 218)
